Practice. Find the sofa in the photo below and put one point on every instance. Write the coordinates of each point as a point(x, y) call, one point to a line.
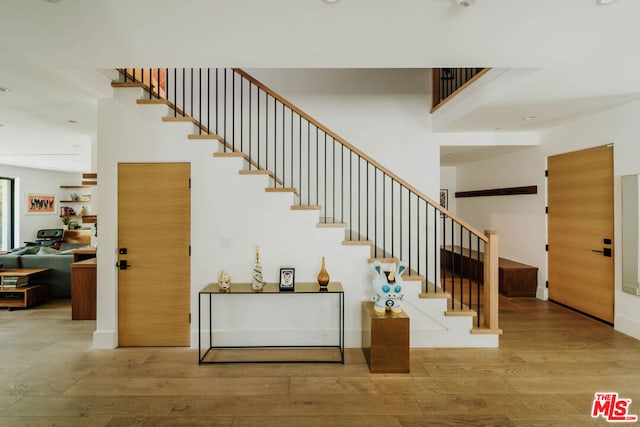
point(58, 261)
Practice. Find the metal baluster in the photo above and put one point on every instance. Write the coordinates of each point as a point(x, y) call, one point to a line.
point(199, 101)
point(375, 211)
point(241, 112)
point(224, 100)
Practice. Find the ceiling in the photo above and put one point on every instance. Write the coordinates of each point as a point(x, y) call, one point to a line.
point(565, 58)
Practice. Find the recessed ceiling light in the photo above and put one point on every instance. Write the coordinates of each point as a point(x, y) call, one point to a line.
point(4, 89)
point(605, 2)
point(528, 118)
point(331, 1)
point(52, 1)
point(73, 122)
point(465, 3)
point(451, 155)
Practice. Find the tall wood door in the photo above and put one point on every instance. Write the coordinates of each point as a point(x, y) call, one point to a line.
point(581, 263)
point(154, 228)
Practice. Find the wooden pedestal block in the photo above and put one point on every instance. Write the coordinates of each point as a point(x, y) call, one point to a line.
point(385, 340)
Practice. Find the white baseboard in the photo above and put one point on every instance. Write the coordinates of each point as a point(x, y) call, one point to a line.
point(105, 340)
point(627, 326)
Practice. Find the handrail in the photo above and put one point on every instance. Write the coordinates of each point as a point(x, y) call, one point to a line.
point(360, 153)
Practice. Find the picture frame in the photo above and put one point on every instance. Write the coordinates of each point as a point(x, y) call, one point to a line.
point(444, 199)
point(287, 278)
point(41, 204)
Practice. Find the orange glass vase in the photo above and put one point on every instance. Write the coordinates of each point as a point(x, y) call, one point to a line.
point(323, 276)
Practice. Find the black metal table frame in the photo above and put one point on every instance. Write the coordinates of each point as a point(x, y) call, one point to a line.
point(217, 291)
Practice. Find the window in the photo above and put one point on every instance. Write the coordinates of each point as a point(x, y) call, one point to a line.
point(7, 209)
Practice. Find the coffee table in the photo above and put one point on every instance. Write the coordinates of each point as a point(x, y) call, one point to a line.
point(23, 296)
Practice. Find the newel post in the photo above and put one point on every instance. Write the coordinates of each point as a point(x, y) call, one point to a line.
point(491, 280)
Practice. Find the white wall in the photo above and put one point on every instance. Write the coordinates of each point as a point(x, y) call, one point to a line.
point(37, 181)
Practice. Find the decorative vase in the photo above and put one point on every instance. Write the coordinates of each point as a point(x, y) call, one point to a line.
point(323, 276)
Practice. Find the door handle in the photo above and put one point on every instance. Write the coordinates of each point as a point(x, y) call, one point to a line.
point(122, 264)
point(605, 251)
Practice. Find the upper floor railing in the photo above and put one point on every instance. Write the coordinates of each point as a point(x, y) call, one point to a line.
point(447, 82)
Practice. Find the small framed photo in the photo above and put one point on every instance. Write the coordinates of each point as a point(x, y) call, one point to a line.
point(287, 278)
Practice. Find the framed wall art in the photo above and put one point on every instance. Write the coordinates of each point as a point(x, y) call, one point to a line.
point(41, 204)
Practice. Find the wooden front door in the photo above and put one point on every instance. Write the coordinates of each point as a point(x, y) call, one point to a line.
point(580, 198)
point(154, 228)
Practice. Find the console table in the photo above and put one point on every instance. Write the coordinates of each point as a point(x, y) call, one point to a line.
point(211, 291)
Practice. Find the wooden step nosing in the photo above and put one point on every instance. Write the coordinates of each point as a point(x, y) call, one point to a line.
point(305, 208)
point(229, 154)
point(384, 260)
point(280, 190)
point(204, 136)
point(460, 313)
point(331, 224)
point(152, 101)
point(254, 172)
point(357, 243)
point(434, 295)
point(486, 331)
point(126, 84)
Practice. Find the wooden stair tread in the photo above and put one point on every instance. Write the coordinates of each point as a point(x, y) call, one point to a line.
point(330, 223)
point(460, 313)
point(126, 84)
point(414, 278)
point(172, 119)
point(305, 208)
point(229, 154)
point(152, 101)
point(486, 331)
point(280, 190)
point(204, 136)
point(357, 242)
point(254, 172)
point(439, 294)
point(384, 260)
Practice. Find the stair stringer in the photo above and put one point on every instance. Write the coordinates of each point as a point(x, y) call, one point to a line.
point(216, 247)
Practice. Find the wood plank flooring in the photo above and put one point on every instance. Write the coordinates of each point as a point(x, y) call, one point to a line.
point(550, 363)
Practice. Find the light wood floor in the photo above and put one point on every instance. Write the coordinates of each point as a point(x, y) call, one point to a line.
point(550, 363)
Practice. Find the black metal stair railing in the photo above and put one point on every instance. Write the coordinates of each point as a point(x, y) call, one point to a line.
point(330, 174)
point(446, 82)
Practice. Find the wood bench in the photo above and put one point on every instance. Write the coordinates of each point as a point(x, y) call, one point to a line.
point(515, 278)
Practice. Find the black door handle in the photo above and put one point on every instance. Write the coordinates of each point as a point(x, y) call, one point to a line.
point(122, 264)
point(605, 252)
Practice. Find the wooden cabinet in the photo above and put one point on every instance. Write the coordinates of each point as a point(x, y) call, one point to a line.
point(385, 340)
point(83, 290)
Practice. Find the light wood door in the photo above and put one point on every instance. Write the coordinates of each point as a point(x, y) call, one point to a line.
point(154, 222)
point(580, 198)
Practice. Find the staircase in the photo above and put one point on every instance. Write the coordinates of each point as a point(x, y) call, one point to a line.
point(376, 212)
